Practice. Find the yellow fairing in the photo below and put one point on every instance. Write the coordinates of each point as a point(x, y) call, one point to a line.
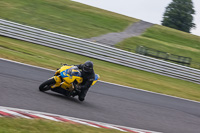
point(97, 77)
point(58, 81)
point(68, 74)
point(68, 79)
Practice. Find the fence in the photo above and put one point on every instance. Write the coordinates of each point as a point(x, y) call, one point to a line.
point(97, 51)
point(163, 55)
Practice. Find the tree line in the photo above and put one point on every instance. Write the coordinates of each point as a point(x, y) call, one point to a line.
point(179, 15)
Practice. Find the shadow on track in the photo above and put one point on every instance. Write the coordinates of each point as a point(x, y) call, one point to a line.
point(71, 99)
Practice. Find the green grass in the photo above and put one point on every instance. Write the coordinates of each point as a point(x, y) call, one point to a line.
point(167, 40)
point(82, 21)
point(64, 16)
point(75, 19)
point(18, 125)
point(51, 58)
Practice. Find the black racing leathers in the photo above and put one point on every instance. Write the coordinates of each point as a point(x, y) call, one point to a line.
point(88, 78)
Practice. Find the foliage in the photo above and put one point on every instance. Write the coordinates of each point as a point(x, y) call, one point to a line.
point(178, 15)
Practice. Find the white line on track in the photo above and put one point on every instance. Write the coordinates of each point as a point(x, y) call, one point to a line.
point(47, 117)
point(14, 113)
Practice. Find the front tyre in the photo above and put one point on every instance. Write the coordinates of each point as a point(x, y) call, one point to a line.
point(45, 86)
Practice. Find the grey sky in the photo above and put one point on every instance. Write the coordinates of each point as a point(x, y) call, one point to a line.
point(147, 10)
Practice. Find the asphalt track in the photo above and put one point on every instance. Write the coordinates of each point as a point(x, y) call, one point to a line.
point(104, 102)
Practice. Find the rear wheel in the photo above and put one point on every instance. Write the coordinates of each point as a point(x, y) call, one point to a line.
point(45, 86)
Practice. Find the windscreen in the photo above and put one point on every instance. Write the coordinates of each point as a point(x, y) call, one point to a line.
point(74, 71)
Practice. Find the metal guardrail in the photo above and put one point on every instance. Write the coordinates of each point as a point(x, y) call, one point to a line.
point(98, 51)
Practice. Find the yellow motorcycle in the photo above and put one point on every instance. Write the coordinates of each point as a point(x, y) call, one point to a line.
point(65, 81)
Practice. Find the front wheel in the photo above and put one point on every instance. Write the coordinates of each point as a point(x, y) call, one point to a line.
point(45, 86)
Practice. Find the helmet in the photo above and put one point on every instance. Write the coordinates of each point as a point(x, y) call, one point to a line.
point(88, 66)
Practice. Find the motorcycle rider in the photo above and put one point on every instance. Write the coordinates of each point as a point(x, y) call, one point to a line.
point(88, 75)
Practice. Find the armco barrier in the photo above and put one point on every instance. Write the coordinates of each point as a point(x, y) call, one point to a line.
point(98, 51)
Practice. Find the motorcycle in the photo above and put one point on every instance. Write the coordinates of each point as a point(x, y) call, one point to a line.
point(66, 81)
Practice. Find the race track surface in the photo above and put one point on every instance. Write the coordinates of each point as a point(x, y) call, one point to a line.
point(104, 102)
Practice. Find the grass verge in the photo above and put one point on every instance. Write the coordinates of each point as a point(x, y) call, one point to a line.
point(64, 16)
point(51, 58)
point(167, 40)
point(19, 125)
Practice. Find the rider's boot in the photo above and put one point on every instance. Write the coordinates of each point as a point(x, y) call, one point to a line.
point(82, 94)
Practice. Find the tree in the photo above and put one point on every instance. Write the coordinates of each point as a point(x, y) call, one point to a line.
point(178, 15)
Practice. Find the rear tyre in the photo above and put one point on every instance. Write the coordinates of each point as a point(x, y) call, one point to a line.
point(45, 86)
